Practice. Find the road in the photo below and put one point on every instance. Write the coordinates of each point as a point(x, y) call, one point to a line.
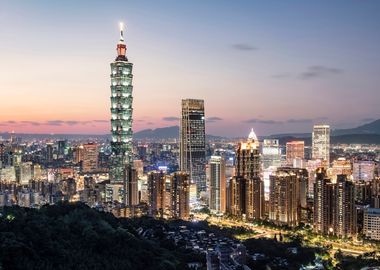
point(265, 232)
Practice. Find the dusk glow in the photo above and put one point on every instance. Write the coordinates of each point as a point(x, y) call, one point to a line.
point(279, 67)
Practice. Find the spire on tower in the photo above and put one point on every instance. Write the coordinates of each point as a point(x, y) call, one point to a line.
point(121, 47)
point(252, 135)
point(121, 25)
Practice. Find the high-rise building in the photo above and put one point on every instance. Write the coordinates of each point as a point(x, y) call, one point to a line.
point(61, 148)
point(246, 190)
point(321, 143)
point(294, 150)
point(217, 184)
point(371, 223)
point(130, 186)
point(345, 219)
point(334, 206)
point(192, 142)
point(271, 153)
point(49, 152)
point(78, 154)
point(339, 166)
point(121, 113)
point(323, 203)
point(90, 157)
point(180, 195)
point(364, 170)
point(156, 193)
point(288, 187)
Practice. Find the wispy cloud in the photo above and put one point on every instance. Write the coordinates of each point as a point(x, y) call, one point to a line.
point(51, 122)
point(213, 119)
point(262, 121)
point(317, 71)
point(100, 121)
point(281, 75)
point(244, 47)
point(170, 118)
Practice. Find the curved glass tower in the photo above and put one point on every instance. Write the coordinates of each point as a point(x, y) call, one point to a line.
point(121, 113)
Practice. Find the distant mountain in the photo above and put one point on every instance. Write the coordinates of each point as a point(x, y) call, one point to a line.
point(171, 132)
point(370, 128)
point(158, 133)
point(340, 139)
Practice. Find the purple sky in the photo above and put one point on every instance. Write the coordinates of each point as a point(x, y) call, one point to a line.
point(275, 66)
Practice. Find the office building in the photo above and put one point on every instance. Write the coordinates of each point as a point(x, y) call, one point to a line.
point(295, 150)
point(121, 114)
point(90, 157)
point(49, 152)
point(321, 143)
point(271, 153)
point(364, 170)
point(371, 224)
point(339, 166)
point(192, 142)
point(217, 189)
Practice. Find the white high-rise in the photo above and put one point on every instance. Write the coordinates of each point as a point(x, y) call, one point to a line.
point(217, 184)
point(321, 142)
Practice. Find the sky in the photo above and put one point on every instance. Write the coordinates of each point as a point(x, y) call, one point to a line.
point(276, 66)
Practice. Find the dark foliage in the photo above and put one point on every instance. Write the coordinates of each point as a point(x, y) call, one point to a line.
point(74, 236)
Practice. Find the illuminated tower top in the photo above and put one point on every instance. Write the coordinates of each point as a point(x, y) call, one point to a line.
point(121, 47)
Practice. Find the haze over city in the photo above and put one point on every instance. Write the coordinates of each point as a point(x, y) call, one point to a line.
point(277, 66)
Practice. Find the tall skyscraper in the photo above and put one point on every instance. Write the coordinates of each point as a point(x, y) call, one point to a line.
point(121, 172)
point(192, 142)
point(321, 143)
point(217, 169)
point(294, 150)
point(90, 157)
point(246, 189)
point(121, 113)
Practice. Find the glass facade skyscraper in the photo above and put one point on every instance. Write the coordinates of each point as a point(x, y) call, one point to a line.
point(321, 142)
point(121, 114)
point(192, 142)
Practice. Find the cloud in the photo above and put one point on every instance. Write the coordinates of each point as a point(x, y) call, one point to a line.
point(213, 119)
point(262, 121)
point(319, 71)
point(170, 118)
point(11, 122)
point(149, 123)
point(54, 122)
point(306, 120)
point(302, 121)
point(33, 123)
point(100, 121)
point(281, 75)
point(244, 47)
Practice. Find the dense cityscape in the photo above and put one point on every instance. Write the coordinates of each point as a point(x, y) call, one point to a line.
point(191, 200)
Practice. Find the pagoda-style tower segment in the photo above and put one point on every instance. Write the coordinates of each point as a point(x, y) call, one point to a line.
point(121, 113)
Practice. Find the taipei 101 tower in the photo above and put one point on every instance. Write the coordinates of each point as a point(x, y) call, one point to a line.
point(123, 184)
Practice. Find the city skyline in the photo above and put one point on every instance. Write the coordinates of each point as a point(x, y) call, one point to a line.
point(267, 57)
